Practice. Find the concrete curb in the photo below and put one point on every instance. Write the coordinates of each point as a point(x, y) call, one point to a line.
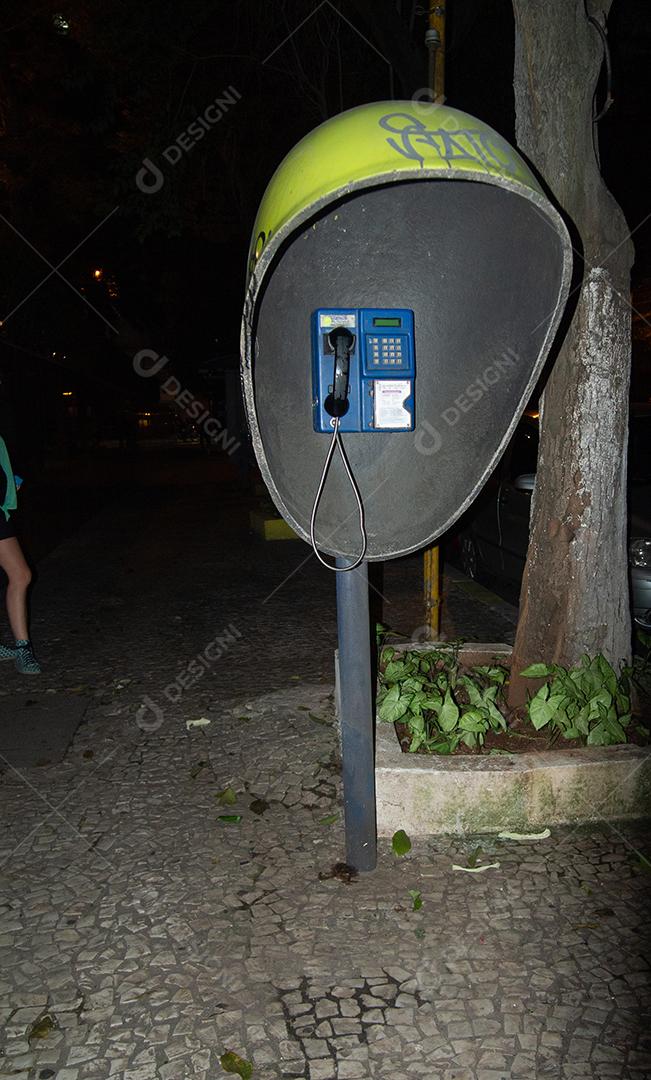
point(465, 794)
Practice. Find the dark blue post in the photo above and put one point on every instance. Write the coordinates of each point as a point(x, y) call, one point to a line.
point(356, 716)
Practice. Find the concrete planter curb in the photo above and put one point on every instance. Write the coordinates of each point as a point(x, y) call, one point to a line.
point(523, 792)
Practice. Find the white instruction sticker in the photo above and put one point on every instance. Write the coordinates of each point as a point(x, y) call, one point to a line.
point(389, 396)
point(337, 318)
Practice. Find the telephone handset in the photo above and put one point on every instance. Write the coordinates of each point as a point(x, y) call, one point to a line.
point(342, 343)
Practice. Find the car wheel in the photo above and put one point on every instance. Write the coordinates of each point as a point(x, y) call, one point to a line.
point(469, 557)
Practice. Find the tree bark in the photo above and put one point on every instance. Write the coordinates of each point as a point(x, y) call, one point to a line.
point(575, 593)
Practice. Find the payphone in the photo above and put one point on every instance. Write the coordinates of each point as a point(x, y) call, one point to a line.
point(363, 371)
point(377, 354)
point(407, 277)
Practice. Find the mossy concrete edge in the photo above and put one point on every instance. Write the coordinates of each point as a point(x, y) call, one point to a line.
point(522, 792)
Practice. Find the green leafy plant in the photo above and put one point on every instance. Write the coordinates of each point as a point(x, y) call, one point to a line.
point(590, 702)
point(382, 633)
point(440, 705)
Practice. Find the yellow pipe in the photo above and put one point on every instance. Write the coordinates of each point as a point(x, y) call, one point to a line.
point(437, 49)
point(432, 592)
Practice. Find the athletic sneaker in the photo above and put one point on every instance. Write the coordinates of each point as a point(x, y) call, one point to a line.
point(7, 652)
point(26, 662)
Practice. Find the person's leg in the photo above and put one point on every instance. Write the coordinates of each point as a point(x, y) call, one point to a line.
point(19, 574)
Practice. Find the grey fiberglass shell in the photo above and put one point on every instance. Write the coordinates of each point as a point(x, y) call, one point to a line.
point(485, 269)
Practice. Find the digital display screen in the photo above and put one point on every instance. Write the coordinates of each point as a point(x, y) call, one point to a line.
point(387, 322)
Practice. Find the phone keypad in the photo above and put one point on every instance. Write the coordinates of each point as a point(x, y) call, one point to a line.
point(384, 351)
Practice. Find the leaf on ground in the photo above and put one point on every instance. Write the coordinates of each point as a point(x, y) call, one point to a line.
point(196, 769)
point(416, 900)
point(318, 719)
point(230, 819)
point(200, 721)
point(341, 871)
point(227, 797)
point(233, 1063)
point(42, 1028)
point(329, 820)
point(419, 933)
point(400, 842)
point(474, 856)
point(524, 836)
point(477, 869)
point(259, 806)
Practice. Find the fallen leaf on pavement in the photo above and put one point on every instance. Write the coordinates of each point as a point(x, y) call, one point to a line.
point(201, 721)
point(227, 797)
point(42, 1028)
point(524, 836)
point(233, 1063)
point(477, 869)
point(342, 871)
point(400, 842)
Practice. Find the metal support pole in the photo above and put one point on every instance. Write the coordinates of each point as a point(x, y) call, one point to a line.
point(356, 716)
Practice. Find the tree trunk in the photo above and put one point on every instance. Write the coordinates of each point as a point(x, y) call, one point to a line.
point(575, 592)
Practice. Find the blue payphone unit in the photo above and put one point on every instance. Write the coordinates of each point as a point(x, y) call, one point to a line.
point(363, 369)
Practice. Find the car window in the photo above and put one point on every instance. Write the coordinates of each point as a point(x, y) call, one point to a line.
point(639, 449)
point(524, 451)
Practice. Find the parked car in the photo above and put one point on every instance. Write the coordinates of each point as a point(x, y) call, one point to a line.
point(495, 536)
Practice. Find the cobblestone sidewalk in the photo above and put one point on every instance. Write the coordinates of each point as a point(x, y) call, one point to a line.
point(144, 932)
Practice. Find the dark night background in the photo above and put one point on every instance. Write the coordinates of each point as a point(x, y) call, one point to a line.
point(89, 91)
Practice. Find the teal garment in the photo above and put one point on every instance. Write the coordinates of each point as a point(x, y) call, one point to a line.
point(10, 499)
